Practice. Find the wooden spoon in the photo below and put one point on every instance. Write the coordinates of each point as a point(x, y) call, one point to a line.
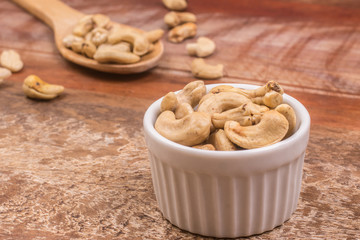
point(62, 19)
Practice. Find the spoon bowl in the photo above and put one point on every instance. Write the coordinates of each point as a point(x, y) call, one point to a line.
point(62, 19)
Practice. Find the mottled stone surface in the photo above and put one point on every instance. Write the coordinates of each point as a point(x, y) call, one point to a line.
point(77, 168)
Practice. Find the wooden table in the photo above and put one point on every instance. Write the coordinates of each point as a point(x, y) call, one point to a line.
point(77, 166)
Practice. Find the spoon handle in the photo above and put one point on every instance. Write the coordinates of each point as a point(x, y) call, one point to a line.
point(53, 12)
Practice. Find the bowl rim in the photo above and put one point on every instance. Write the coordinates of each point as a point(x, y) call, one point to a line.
point(301, 112)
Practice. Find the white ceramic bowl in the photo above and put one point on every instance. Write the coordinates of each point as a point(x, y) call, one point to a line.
point(232, 193)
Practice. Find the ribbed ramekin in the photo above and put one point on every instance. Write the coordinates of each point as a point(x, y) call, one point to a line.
point(232, 193)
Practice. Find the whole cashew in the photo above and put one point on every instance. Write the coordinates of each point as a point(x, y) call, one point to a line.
point(205, 71)
point(190, 130)
point(272, 128)
point(220, 141)
point(203, 47)
point(182, 32)
point(192, 93)
point(154, 35)
point(183, 110)
point(11, 60)
point(177, 5)
point(138, 40)
point(85, 25)
point(220, 102)
point(270, 99)
point(34, 87)
point(290, 115)
point(173, 19)
point(169, 102)
point(115, 54)
point(247, 114)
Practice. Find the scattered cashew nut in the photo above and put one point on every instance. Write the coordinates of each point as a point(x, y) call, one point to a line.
point(36, 88)
point(202, 70)
point(11, 60)
point(177, 5)
point(4, 73)
point(271, 129)
point(190, 130)
point(203, 47)
point(180, 33)
point(173, 19)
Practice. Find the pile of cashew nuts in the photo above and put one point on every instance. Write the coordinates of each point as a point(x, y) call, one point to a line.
point(96, 37)
point(226, 118)
point(182, 26)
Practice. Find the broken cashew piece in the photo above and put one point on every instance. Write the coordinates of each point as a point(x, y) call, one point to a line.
point(203, 47)
point(173, 19)
point(180, 33)
point(290, 115)
point(220, 141)
point(177, 5)
point(36, 88)
point(191, 130)
point(11, 60)
point(271, 129)
point(202, 70)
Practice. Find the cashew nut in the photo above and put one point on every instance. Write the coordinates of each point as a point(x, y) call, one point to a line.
point(69, 39)
point(192, 93)
point(138, 40)
point(100, 20)
point(183, 110)
point(177, 5)
point(220, 102)
point(200, 69)
point(84, 26)
point(34, 87)
point(115, 54)
point(4, 73)
point(290, 115)
point(202, 48)
point(272, 128)
point(205, 147)
point(182, 32)
point(220, 141)
point(190, 130)
point(84, 47)
point(97, 36)
point(11, 60)
point(247, 114)
point(169, 102)
point(154, 35)
point(270, 94)
point(173, 19)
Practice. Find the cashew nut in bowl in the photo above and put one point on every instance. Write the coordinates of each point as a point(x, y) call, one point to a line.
point(289, 114)
point(205, 147)
point(180, 33)
point(220, 102)
point(220, 141)
point(177, 5)
point(270, 99)
point(36, 88)
point(247, 114)
point(203, 47)
point(202, 70)
point(271, 129)
point(173, 19)
point(192, 93)
point(169, 102)
point(183, 110)
point(190, 130)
